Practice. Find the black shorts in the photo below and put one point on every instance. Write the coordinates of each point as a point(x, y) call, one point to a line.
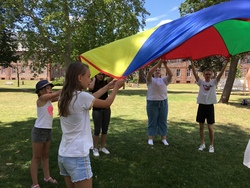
point(205, 111)
point(40, 135)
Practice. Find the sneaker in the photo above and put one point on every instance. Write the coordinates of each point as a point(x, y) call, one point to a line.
point(211, 149)
point(202, 147)
point(165, 142)
point(96, 152)
point(104, 150)
point(150, 142)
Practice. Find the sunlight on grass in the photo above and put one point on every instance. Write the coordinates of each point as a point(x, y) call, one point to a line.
point(132, 162)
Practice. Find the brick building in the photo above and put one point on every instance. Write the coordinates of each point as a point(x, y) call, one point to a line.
point(26, 72)
point(182, 74)
point(179, 68)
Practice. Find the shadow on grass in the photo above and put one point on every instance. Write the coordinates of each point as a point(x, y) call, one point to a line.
point(125, 92)
point(132, 162)
point(15, 90)
point(16, 154)
point(238, 104)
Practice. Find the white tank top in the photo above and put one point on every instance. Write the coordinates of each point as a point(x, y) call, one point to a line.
point(45, 116)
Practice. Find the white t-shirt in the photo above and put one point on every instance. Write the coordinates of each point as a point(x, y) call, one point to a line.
point(44, 116)
point(157, 89)
point(76, 130)
point(207, 92)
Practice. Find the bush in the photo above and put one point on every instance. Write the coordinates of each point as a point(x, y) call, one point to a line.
point(135, 80)
point(58, 81)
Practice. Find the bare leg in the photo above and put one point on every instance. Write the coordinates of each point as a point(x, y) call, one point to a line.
point(84, 184)
point(95, 139)
point(37, 150)
point(202, 132)
point(68, 182)
point(211, 134)
point(103, 140)
point(45, 160)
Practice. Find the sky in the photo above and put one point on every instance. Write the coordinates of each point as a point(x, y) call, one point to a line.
point(161, 11)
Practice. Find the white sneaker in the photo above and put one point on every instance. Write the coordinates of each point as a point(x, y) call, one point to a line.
point(96, 152)
point(150, 142)
point(211, 149)
point(104, 150)
point(165, 142)
point(202, 147)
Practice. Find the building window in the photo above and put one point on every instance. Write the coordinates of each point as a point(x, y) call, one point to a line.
point(31, 70)
point(13, 71)
point(179, 60)
point(42, 70)
point(23, 70)
point(178, 72)
point(188, 72)
point(2, 70)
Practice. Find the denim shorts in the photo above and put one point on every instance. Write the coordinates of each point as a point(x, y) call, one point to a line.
point(78, 168)
point(40, 135)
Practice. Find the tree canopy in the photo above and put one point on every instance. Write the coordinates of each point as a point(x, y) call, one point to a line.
point(8, 48)
point(8, 41)
point(58, 31)
point(190, 6)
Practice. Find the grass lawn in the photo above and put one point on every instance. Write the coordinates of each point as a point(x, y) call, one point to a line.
point(132, 162)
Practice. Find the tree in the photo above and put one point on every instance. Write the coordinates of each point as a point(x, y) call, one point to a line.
point(190, 6)
point(238, 72)
point(8, 48)
point(214, 62)
point(8, 41)
point(59, 31)
point(230, 80)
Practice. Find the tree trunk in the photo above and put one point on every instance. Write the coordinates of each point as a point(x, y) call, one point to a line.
point(230, 81)
point(141, 76)
point(18, 77)
point(18, 80)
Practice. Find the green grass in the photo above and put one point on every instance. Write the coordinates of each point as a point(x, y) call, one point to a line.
point(132, 162)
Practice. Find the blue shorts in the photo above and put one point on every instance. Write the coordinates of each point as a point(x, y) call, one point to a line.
point(78, 168)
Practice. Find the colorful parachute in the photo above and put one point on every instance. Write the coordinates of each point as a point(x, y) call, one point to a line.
point(222, 29)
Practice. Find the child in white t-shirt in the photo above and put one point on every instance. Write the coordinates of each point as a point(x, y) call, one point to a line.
point(206, 100)
point(74, 105)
